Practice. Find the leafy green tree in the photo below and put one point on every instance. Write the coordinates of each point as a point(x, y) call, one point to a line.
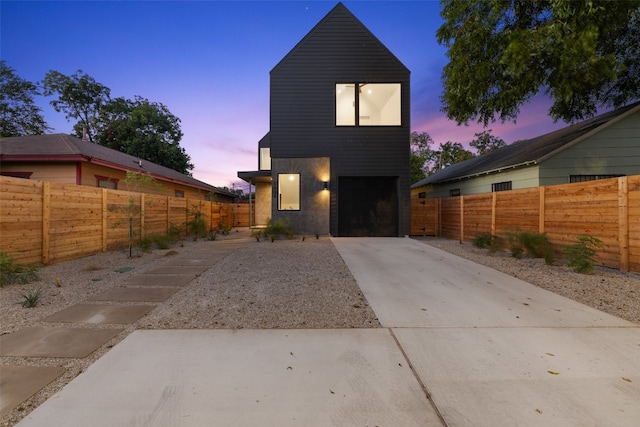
point(450, 153)
point(421, 156)
point(19, 115)
point(80, 97)
point(143, 129)
point(583, 54)
point(486, 143)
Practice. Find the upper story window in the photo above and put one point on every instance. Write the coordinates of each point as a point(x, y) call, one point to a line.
point(372, 104)
point(179, 193)
point(265, 159)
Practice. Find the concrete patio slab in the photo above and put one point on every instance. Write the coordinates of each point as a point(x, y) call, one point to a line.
point(529, 376)
point(245, 378)
point(54, 342)
point(18, 383)
point(136, 294)
point(159, 280)
point(100, 313)
point(179, 269)
point(412, 284)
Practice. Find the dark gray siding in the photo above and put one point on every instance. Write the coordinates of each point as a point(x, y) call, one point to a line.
point(339, 50)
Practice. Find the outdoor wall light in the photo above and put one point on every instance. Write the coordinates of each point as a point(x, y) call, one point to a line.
point(325, 185)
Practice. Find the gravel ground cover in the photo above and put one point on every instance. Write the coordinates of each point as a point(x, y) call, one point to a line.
point(285, 284)
point(608, 290)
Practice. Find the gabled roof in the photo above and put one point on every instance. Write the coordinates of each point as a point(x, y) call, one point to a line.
point(340, 11)
point(62, 147)
point(528, 152)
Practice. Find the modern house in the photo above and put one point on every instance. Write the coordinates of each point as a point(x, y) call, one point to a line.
point(336, 157)
point(605, 146)
point(66, 159)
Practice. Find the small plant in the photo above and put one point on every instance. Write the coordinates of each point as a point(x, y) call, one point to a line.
point(487, 240)
point(581, 255)
point(12, 272)
point(277, 229)
point(257, 234)
point(198, 225)
point(482, 240)
point(31, 299)
point(515, 246)
point(224, 228)
point(538, 246)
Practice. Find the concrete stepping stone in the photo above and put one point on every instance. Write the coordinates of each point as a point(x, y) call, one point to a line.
point(54, 342)
point(159, 280)
point(137, 294)
point(18, 383)
point(204, 260)
point(100, 313)
point(172, 269)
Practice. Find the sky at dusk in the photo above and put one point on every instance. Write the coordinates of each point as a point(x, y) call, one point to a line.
point(209, 63)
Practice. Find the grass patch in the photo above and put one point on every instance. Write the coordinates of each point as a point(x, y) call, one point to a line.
point(31, 298)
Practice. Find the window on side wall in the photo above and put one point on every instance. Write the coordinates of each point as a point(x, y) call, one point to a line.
point(454, 192)
point(265, 159)
point(585, 178)
point(179, 193)
point(106, 182)
point(372, 104)
point(288, 192)
point(501, 186)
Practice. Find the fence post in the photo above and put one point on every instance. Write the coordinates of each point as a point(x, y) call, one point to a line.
point(541, 212)
point(141, 216)
point(494, 202)
point(623, 222)
point(461, 218)
point(105, 206)
point(46, 221)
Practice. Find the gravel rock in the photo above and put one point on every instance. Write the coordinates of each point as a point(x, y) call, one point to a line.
point(608, 290)
point(285, 284)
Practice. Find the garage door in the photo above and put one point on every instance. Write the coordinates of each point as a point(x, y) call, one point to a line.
point(368, 206)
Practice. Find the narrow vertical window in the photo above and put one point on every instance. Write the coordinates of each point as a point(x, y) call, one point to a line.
point(265, 159)
point(345, 104)
point(289, 192)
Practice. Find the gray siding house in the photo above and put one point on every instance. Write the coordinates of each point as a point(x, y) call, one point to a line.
point(336, 157)
point(605, 146)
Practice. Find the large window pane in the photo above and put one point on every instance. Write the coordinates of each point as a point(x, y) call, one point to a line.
point(345, 104)
point(289, 192)
point(379, 104)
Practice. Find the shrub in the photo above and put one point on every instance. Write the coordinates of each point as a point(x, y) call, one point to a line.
point(278, 229)
point(581, 255)
point(537, 245)
point(515, 247)
point(482, 240)
point(12, 272)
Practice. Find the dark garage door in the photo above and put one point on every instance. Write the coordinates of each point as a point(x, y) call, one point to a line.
point(368, 206)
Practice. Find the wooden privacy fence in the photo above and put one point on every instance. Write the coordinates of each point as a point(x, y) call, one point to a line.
point(44, 222)
point(608, 209)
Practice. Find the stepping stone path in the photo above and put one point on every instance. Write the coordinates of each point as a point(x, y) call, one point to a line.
point(19, 383)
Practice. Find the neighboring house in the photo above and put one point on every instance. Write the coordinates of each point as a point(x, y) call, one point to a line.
point(336, 158)
point(67, 159)
point(605, 146)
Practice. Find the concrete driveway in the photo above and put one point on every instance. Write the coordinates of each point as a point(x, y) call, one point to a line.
point(492, 350)
point(461, 345)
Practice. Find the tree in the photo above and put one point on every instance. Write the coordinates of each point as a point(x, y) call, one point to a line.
point(420, 157)
point(143, 129)
point(583, 54)
point(80, 97)
point(19, 115)
point(449, 154)
point(486, 143)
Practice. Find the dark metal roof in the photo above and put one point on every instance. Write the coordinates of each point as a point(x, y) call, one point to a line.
point(527, 152)
point(63, 147)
